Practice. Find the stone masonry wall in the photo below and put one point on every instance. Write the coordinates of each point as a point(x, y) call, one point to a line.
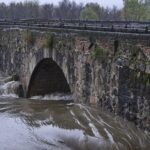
point(110, 69)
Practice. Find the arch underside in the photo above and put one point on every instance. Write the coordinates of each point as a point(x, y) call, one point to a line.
point(47, 78)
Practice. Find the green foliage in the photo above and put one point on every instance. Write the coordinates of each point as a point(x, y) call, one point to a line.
point(96, 8)
point(49, 43)
point(88, 14)
point(29, 37)
point(99, 53)
point(136, 10)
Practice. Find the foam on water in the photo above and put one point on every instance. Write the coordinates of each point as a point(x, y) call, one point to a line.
point(56, 97)
point(9, 89)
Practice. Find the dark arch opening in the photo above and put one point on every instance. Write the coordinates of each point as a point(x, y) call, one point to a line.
point(47, 78)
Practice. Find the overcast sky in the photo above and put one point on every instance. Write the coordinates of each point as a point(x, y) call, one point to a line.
point(104, 3)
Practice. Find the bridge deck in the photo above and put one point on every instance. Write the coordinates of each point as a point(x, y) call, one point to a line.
point(106, 26)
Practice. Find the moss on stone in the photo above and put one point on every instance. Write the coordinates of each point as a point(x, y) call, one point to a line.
point(146, 79)
point(49, 41)
point(29, 37)
point(99, 52)
point(143, 78)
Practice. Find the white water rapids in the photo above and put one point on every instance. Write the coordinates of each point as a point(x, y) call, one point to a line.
point(9, 88)
point(56, 96)
point(50, 123)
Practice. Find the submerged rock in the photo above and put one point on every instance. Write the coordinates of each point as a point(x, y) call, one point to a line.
point(15, 77)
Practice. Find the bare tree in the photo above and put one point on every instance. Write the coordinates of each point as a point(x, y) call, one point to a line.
point(65, 10)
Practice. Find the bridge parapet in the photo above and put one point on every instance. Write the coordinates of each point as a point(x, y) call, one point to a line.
point(106, 26)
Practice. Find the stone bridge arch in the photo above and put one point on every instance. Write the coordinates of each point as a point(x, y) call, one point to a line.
point(47, 78)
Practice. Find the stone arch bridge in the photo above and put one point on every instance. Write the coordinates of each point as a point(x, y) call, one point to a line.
point(109, 66)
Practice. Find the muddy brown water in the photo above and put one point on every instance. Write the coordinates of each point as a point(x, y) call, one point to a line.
point(58, 125)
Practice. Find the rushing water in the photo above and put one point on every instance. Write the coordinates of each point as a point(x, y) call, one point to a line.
point(31, 124)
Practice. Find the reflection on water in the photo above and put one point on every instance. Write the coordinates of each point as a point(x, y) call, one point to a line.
point(56, 125)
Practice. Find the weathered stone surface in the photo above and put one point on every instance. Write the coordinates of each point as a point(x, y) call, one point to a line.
point(111, 70)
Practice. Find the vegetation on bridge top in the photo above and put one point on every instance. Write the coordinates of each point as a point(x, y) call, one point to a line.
point(47, 41)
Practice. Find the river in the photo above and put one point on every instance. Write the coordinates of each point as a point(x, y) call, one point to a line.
point(39, 124)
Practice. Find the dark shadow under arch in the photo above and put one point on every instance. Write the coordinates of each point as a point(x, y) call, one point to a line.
point(47, 78)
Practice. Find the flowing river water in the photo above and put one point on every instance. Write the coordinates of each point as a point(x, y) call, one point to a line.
point(55, 124)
